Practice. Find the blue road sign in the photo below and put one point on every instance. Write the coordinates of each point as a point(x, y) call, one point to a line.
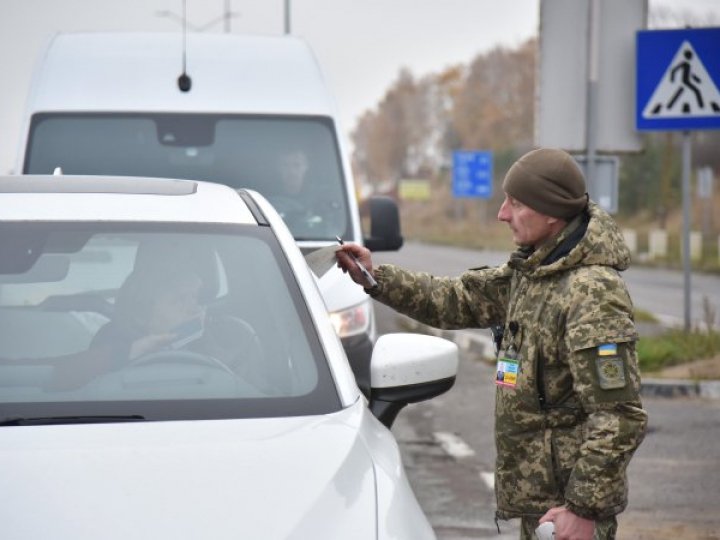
point(678, 79)
point(472, 174)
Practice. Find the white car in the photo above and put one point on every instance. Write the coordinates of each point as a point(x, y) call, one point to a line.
point(168, 370)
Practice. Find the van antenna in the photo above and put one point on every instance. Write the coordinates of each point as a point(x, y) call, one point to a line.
point(184, 81)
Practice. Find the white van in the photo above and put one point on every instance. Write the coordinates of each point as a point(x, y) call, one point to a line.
point(246, 111)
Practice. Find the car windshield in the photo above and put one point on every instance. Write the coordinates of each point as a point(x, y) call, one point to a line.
point(294, 161)
point(164, 321)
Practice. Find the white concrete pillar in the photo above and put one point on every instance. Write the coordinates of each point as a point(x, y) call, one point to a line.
point(658, 244)
point(630, 236)
point(695, 245)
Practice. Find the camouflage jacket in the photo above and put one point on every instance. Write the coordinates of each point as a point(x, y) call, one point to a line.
point(568, 415)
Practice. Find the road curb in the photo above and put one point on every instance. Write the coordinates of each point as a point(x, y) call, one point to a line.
point(674, 388)
point(479, 343)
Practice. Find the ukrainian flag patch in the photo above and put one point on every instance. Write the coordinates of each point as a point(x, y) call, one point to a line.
point(607, 349)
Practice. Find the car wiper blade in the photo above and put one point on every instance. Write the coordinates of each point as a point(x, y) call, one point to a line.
point(53, 420)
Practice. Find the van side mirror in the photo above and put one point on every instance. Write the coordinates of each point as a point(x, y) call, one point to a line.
point(384, 225)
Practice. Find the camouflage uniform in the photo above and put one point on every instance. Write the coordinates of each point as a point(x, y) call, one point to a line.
point(568, 413)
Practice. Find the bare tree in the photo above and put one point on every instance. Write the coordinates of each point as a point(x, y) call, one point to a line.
point(419, 122)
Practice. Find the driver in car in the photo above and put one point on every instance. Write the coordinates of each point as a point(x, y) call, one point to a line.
point(158, 312)
point(154, 310)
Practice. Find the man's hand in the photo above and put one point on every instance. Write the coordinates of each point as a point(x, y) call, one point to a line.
point(569, 526)
point(346, 263)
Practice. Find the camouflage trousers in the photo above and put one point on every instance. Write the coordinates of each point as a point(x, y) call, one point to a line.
point(604, 530)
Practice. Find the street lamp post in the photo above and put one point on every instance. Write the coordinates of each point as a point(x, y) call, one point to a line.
point(226, 17)
point(287, 16)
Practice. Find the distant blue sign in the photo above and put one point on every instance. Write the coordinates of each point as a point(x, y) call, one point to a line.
point(472, 174)
point(678, 79)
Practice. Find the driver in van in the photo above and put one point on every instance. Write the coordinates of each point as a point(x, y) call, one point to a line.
point(306, 208)
point(292, 168)
point(289, 197)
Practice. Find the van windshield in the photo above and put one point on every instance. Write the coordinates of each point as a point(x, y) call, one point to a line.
point(294, 160)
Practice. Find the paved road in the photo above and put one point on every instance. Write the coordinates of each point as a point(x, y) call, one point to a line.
point(656, 290)
point(449, 454)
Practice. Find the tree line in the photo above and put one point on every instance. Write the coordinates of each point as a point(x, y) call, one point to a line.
point(489, 105)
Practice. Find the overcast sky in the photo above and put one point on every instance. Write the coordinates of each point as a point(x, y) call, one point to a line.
point(360, 44)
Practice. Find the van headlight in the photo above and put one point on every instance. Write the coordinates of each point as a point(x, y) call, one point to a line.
point(352, 321)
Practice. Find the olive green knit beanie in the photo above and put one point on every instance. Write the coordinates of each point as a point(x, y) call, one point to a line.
point(549, 181)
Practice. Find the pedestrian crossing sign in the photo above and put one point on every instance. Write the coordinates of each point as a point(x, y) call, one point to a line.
point(678, 79)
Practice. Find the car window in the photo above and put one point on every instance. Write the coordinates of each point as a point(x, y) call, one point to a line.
point(294, 161)
point(96, 315)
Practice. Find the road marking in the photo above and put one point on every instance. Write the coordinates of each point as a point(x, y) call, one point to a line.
point(489, 479)
point(453, 445)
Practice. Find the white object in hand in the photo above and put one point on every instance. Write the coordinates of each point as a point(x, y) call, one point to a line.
point(546, 531)
point(368, 276)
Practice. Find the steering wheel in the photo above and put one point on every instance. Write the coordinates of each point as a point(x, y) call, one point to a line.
point(299, 217)
point(253, 364)
point(288, 207)
point(240, 338)
point(180, 356)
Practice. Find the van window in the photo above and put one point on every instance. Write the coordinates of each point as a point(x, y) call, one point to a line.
point(294, 161)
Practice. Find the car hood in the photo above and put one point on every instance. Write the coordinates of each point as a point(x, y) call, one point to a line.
point(294, 478)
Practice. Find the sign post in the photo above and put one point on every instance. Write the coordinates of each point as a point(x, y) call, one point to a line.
point(678, 78)
point(607, 173)
point(586, 72)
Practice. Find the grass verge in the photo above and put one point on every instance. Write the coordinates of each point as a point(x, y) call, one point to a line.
point(645, 316)
point(676, 347)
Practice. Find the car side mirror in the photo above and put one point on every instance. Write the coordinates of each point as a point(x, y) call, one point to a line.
point(408, 368)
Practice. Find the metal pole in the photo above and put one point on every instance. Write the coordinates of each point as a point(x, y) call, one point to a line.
point(184, 37)
point(287, 16)
point(686, 226)
point(226, 17)
point(592, 83)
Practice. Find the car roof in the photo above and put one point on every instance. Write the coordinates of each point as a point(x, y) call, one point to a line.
point(108, 198)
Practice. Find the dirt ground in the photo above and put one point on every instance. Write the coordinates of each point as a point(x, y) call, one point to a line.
point(632, 528)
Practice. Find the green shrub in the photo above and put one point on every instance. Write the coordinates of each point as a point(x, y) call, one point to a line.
point(644, 316)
